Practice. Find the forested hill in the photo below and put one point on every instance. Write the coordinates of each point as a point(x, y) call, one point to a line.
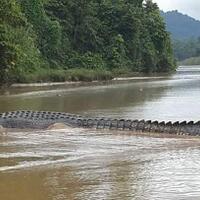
point(185, 33)
point(54, 40)
point(181, 26)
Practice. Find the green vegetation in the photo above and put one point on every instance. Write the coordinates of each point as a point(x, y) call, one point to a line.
point(60, 75)
point(185, 49)
point(58, 40)
point(190, 61)
point(185, 33)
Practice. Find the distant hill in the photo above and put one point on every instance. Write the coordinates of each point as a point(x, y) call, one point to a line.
point(181, 26)
point(190, 61)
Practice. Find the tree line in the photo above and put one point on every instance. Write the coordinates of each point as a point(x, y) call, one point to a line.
point(49, 35)
point(184, 49)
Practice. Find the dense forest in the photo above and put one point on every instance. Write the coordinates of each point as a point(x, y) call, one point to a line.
point(58, 40)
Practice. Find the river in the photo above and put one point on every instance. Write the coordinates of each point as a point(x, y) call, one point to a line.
point(94, 164)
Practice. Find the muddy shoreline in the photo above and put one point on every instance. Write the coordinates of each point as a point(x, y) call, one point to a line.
point(84, 83)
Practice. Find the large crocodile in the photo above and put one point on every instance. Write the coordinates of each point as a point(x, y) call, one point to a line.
point(43, 119)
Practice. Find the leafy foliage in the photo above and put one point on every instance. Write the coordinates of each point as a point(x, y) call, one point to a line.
point(18, 52)
point(91, 34)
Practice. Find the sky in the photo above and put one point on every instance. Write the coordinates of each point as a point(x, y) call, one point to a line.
point(189, 7)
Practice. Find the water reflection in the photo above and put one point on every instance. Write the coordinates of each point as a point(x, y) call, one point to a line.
point(85, 98)
point(171, 98)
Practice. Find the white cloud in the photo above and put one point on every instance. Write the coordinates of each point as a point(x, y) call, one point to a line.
point(189, 7)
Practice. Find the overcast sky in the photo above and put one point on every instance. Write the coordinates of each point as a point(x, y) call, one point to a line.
point(189, 7)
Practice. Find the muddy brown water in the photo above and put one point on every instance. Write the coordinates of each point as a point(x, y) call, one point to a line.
point(95, 164)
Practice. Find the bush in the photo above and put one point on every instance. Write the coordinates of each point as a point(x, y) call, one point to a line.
point(60, 75)
point(87, 61)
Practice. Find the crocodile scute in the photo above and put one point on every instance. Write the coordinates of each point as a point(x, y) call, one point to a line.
point(24, 119)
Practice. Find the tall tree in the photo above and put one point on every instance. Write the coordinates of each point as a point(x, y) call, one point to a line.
point(17, 44)
point(48, 31)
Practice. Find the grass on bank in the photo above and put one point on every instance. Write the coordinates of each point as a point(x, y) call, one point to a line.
point(42, 75)
point(60, 75)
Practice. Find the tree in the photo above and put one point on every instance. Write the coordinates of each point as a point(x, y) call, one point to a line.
point(159, 37)
point(93, 34)
point(18, 52)
point(48, 31)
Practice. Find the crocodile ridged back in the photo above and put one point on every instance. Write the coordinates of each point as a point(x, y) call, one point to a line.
point(42, 119)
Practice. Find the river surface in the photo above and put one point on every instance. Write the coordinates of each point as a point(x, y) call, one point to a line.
point(87, 164)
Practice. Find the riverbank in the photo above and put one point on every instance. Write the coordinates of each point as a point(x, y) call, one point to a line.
point(43, 75)
point(51, 77)
point(83, 83)
point(80, 77)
